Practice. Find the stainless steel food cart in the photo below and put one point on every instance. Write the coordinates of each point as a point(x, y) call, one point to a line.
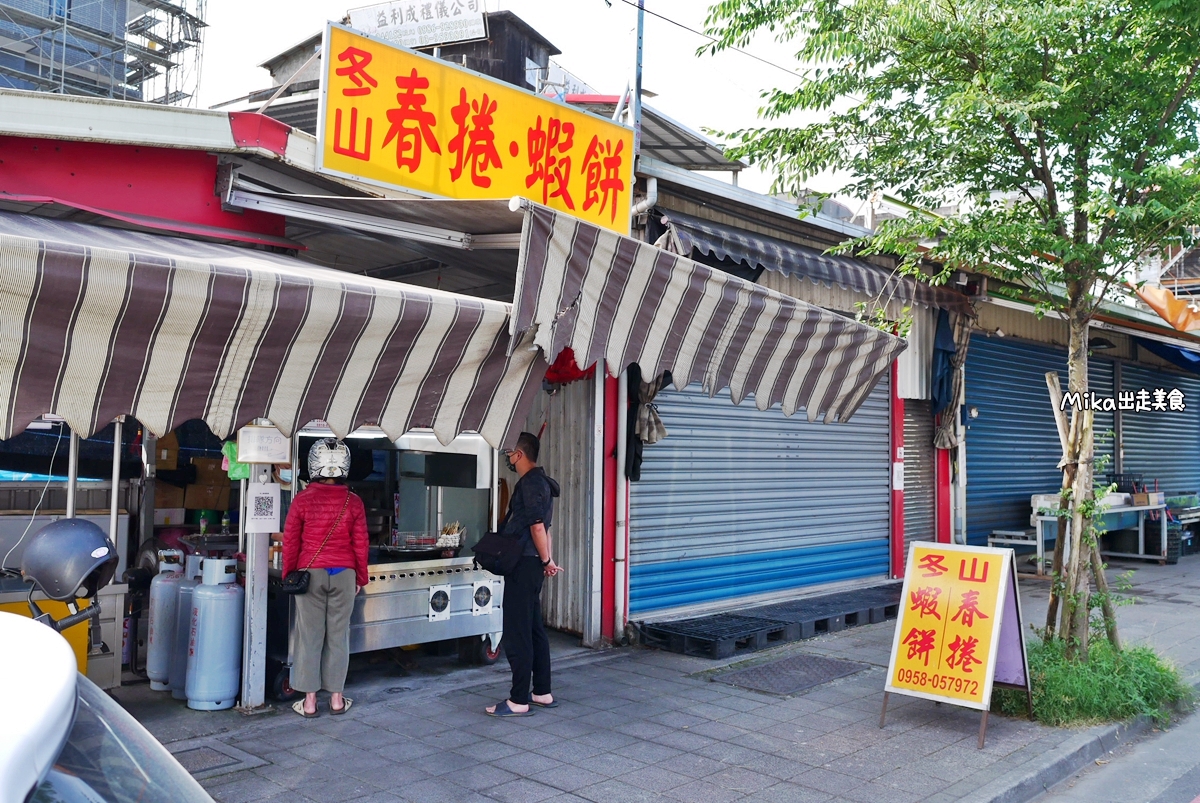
point(420, 592)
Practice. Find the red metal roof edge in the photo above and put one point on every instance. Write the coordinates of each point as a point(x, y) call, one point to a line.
point(254, 130)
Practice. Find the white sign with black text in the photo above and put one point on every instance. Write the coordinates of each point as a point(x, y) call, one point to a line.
point(258, 444)
point(422, 23)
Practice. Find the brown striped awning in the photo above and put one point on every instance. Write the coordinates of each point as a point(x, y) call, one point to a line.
point(688, 234)
point(610, 297)
point(98, 322)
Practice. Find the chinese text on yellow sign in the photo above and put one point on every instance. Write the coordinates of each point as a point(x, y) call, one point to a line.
point(395, 117)
point(949, 624)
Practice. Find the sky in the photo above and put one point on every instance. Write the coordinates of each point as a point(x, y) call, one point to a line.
point(597, 42)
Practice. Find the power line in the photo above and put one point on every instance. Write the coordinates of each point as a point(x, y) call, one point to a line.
point(792, 73)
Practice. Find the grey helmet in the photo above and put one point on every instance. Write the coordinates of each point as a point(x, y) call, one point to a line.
point(329, 458)
point(69, 559)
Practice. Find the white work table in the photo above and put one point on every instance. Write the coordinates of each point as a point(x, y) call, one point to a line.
point(1038, 539)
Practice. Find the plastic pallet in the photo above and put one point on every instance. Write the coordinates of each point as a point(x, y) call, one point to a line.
point(720, 636)
point(834, 612)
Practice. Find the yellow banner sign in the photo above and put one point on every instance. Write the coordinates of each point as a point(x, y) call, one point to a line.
point(393, 117)
point(948, 631)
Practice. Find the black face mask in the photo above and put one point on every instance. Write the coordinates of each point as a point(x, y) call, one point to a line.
point(508, 463)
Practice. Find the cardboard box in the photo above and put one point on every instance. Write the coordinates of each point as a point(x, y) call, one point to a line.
point(1156, 498)
point(207, 497)
point(169, 515)
point(208, 471)
point(166, 453)
point(167, 495)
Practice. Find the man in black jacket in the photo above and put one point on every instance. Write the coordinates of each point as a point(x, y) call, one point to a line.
point(530, 514)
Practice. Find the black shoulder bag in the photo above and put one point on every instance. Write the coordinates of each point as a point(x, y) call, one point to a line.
point(296, 582)
point(499, 553)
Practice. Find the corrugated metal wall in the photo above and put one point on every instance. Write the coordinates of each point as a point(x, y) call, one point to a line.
point(737, 502)
point(1022, 324)
point(914, 366)
point(1012, 446)
point(832, 297)
point(920, 472)
point(1162, 445)
point(567, 457)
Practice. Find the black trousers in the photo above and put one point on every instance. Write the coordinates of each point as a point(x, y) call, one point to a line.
point(525, 641)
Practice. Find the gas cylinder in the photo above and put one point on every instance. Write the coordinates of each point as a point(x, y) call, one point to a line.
point(164, 590)
point(183, 625)
point(214, 664)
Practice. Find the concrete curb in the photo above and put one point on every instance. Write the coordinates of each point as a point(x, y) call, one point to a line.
point(1037, 777)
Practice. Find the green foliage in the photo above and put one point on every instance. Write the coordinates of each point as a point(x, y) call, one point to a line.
point(1064, 131)
point(874, 314)
point(1110, 687)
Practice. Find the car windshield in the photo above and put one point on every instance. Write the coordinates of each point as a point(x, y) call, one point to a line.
point(109, 757)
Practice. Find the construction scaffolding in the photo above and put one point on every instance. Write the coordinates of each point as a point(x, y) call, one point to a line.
point(129, 49)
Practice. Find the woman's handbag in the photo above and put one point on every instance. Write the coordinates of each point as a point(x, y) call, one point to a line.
point(296, 582)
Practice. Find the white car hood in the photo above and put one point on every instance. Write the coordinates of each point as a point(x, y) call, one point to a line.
point(38, 674)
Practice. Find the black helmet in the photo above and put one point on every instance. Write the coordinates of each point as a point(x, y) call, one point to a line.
point(69, 558)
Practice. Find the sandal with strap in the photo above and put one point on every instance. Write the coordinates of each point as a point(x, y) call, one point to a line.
point(298, 707)
point(502, 710)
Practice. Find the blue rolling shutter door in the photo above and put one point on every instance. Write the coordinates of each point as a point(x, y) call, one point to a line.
point(737, 502)
point(1163, 445)
point(1012, 446)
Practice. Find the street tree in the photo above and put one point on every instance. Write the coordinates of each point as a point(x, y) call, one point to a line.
point(1063, 133)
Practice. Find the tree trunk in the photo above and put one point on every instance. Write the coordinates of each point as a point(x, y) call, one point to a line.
point(1056, 566)
point(1074, 624)
point(1069, 576)
point(1078, 607)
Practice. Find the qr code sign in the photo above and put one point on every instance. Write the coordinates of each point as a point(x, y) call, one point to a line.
point(264, 506)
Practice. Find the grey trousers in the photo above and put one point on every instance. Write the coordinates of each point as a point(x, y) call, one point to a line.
point(322, 650)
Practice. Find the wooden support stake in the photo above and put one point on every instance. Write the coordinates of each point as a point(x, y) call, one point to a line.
point(883, 713)
point(983, 729)
point(1060, 417)
point(1110, 612)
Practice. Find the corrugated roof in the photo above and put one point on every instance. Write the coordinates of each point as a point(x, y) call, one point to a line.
point(663, 138)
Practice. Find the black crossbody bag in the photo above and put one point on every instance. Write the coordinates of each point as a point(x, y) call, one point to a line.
point(499, 553)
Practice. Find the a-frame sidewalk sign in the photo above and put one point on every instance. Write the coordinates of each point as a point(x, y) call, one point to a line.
point(960, 630)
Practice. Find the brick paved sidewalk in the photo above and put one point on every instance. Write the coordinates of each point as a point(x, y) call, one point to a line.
point(640, 724)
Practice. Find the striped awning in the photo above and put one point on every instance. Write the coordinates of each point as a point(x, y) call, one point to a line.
point(610, 297)
point(98, 322)
point(687, 234)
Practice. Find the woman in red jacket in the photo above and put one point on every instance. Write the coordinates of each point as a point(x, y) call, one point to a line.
point(325, 533)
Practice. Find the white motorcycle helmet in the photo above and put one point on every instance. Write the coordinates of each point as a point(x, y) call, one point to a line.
point(329, 458)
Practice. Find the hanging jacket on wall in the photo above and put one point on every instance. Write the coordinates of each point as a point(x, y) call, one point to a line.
point(644, 426)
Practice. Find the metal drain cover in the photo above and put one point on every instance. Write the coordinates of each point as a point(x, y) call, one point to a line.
point(206, 757)
point(790, 675)
point(202, 759)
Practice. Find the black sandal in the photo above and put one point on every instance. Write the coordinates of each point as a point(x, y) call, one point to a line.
point(502, 710)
